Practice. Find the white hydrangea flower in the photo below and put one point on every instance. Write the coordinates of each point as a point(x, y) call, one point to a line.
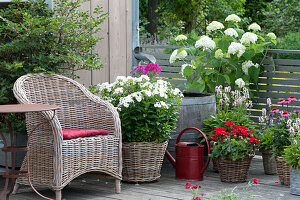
point(236, 48)
point(157, 105)
point(233, 18)
point(219, 54)
point(205, 42)
point(214, 25)
point(240, 82)
point(248, 37)
point(272, 36)
point(247, 64)
point(254, 27)
point(175, 55)
point(180, 38)
point(231, 32)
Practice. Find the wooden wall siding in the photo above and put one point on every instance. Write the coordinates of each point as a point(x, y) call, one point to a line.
point(115, 47)
point(281, 82)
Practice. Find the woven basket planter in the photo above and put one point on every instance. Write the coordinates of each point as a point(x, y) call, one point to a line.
point(283, 171)
point(142, 161)
point(268, 162)
point(215, 165)
point(234, 171)
point(295, 181)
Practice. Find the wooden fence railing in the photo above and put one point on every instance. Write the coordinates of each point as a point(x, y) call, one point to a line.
point(279, 81)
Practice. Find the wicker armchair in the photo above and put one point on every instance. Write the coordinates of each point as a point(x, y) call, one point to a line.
point(55, 162)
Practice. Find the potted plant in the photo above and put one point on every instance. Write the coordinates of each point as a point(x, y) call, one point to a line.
point(147, 110)
point(231, 106)
point(292, 156)
point(234, 149)
point(281, 123)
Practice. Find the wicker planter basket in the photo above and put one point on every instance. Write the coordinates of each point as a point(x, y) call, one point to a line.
point(234, 171)
point(215, 165)
point(283, 171)
point(268, 162)
point(142, 161)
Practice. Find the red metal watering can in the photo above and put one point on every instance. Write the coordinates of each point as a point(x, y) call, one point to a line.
point(189, 155)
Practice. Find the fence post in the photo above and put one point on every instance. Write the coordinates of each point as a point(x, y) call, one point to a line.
point(135, 30)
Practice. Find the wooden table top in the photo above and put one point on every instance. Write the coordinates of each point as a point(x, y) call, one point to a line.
point(23, 108)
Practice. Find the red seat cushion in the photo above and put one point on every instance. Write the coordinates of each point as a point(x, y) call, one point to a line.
point(73, 133)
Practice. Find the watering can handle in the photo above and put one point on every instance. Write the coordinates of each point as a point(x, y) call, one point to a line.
point(206, 140)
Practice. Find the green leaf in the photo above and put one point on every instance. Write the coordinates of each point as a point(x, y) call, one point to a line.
point(224, 45)
point(249, 54)
point(254, 73)
point(227, 78)
point(209, 71)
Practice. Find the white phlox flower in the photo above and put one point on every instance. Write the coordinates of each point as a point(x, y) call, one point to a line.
point(206, 43)
point(214, 25)
point(157, 105)
point(180, 38)
point(254, 27)
point(118, 91)
point(233, 18)
point(231, 32)
point(164, 105)
point(272, 36)
point(236, 48)
point(177, 56)
point(247, 64)
point(249, 37)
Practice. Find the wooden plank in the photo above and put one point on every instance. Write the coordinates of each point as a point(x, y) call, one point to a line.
point(170, 69)
point(274, 95)
point(283, 51)
point(117, 39)
point(282, 68)
point(281, 62)
point(128, 36)
point(170, 75)
point(259, 107)
point(278, 88)
point(279, 81)
point(274, 101)
point(102, 47)
point(281, 75)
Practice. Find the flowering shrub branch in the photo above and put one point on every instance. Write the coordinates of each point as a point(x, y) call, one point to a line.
point(222, 57)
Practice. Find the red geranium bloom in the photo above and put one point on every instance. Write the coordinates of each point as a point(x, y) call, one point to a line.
point(229, 123)
point(187, 185)
point(194, 187)
point(255, 180)
point(198, 186)
point(197, 198)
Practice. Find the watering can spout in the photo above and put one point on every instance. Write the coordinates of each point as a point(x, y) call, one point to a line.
point(171, 159)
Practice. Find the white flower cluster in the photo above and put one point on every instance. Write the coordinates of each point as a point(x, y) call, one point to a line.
point(206, 43)
point(214, 25)
point(254, 27)
point(180, 38)
point(126, 91)
point(240, 82)
point(272, 36)
point(233, 18)
point(184, 66)
point(248, 37)
point(247, 64)
point(219, 54)
point(293, 125)
point(234, 98)
point(236, 48)
point(231, 32)
point(177, 56)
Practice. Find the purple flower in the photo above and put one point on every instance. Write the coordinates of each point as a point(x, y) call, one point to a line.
point(274, 110)
point(281, 101)
point(296, 111)
point(292, 98)
point(285, 114)
point(287, 101)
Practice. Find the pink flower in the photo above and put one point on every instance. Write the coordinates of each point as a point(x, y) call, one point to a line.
point(274, 110)
point(281, 101)
point(255, 180)
point(187, 185)
point(197, 198)
point(296, 111)
point(292, 98)
point(285, 114)
point(287, 101)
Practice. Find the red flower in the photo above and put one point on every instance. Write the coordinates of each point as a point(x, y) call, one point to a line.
point(187, 185)
point(229, 123)
point(255, 180)
point(197, 198)
point(194, 187)
point(198, 186)
point(254, 140)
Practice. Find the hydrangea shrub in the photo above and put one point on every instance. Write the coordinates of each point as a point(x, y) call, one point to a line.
point(225, 54)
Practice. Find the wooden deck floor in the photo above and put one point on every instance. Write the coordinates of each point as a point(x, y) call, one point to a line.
point(166, 188)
